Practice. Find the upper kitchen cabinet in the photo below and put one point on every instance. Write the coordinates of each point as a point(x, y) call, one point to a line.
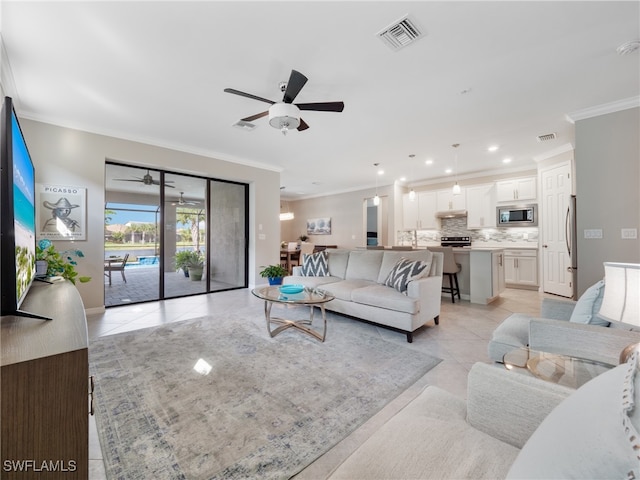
point(481, 206)
point(516, 189)
point(447, 201)
point(419, 213)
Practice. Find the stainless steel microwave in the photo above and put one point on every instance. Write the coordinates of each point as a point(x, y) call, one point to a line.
point(517, 215)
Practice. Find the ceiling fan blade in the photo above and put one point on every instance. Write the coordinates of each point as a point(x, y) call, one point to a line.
point(248, 95)
point(255, 117)
point(303, 125)
point(128, 180)
point(294, 85)
point(322, 106)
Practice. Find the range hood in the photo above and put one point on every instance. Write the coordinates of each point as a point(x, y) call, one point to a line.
point(451, 214)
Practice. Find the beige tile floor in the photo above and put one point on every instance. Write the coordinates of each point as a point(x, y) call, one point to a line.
point(460, 340)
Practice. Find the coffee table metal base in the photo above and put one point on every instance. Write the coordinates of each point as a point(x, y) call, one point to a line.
point(301, 325)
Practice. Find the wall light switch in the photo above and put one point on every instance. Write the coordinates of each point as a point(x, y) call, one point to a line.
point(262, 236)
point(593, 233)
point(629, 233)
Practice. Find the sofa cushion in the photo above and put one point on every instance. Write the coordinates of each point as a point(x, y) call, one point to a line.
point(588, 305)
point(315, 265)
point(390, 258)
point(309, 282)
point(344, 289)
point(337, 259)
point(405, 271)
point(364, 265)
point(589, 435)
point(385, 297)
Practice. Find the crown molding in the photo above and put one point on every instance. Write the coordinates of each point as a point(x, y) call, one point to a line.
point(603, 109)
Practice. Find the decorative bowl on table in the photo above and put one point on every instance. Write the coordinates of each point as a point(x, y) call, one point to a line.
point(290, 289)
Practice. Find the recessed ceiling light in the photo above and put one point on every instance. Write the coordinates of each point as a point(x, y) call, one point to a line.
point(493, 148)
point(506, 160)
point(403, 179)
point(448, 170)
point(380, 172)
point(428, 162)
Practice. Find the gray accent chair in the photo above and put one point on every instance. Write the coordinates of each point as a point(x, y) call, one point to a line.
point(554, 333)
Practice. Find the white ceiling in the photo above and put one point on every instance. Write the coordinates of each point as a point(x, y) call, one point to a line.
point(484, 73)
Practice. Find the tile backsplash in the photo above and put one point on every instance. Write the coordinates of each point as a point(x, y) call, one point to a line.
point(457, 227)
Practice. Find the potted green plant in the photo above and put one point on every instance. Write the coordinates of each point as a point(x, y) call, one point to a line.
point(274, 273)
point(303, 238)
point(61, 264)
point(182, 259)
point(195, 264)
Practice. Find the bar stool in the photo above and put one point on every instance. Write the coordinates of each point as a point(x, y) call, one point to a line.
point(449, 268)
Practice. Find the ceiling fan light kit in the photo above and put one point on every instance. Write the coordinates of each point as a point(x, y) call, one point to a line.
point(285, 115)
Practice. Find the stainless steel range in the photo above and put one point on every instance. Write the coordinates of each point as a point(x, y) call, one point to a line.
point(455, 241)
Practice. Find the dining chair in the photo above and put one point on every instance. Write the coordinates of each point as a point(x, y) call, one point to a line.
point(116, 267)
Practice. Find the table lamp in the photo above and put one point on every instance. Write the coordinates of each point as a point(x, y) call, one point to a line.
point(621, 300)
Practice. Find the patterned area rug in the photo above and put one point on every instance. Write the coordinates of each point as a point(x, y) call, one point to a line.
point(266, 409)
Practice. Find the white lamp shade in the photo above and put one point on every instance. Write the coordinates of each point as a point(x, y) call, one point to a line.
point(376, 200)
point(456, 189)
point(621, 300)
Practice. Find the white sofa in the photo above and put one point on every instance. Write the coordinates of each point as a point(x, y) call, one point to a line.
point(512, 425)
point(356, 280)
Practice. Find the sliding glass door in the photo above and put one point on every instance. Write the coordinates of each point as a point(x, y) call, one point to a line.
point(181, 235)
point(185, 235)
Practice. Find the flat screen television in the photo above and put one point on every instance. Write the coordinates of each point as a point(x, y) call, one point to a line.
point(17, 215)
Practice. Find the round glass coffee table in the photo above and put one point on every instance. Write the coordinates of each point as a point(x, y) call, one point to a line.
point(553, 367)
point(311, 297)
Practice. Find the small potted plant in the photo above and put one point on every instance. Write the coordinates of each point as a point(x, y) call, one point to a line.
point(58, 264)
point(182, 259)
point(274, 273)
point(195, 264)
point(303, 238)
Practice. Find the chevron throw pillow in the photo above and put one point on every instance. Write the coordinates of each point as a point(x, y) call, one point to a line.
point(404, 271)
point(315, 265)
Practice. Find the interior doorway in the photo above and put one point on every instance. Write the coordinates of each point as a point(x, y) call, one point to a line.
point(376, 222)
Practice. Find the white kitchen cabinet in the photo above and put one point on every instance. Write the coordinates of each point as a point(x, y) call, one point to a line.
point(447, 201)
point(487, 276)
point(419, 214)
point(521, 268)
point(516, 189)
point(481, 206)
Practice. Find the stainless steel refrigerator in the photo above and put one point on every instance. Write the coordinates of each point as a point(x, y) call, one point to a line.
point(571, 237)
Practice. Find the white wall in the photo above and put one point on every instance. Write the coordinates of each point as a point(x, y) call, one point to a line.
point(71, 157)
point(607, 160)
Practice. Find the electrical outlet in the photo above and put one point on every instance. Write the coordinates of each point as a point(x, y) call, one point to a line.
point(262, 236)
point(629, 233)
point(593, 233)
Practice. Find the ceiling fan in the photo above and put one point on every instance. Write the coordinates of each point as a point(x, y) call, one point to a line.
point(285, 115)
point(181, 201)
point(146, 180)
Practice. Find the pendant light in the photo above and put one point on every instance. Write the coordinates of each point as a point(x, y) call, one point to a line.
point(376, 199)
point(412, 192)
point(456, 187)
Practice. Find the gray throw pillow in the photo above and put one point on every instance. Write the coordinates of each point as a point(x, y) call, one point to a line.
point(405, 271)
point(588, 305)
point(315, 265)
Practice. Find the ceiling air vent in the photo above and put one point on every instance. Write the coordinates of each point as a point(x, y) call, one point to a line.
point(242, 125)
point(400, 33)
point(546, 137)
